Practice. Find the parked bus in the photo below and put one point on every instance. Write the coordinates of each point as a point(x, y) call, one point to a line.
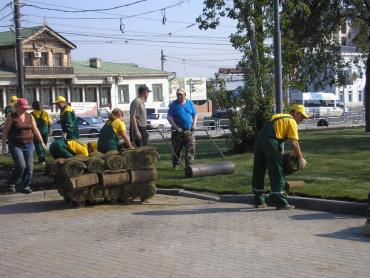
point(319, 104)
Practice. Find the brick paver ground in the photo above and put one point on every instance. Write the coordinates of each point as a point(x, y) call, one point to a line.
point(176, 237)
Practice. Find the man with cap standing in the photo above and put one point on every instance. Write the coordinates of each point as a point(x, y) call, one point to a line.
point(138, 133)
point(268, 155)
point(182, 116)
point(68, 119)
point(9, 108)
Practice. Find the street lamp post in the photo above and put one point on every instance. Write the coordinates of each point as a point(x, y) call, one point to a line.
point(278, 63)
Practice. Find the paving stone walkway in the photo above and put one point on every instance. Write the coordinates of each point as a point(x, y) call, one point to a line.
point(176, 237)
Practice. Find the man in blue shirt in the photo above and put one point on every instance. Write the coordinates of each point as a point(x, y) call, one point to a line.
point(182, 116)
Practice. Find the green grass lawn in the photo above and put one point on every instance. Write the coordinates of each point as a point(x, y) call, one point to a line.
point(338, 167)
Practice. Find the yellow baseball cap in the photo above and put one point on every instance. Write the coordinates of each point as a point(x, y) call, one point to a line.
point(13, 98)
point(300, 108)
point(60, 99)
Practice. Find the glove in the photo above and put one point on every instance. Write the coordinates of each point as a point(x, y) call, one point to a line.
point(193, 129)
point(179, 129)
point(302, 163)
point(43, 146)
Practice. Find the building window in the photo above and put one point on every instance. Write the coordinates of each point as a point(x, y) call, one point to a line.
point(46, 97)
point(349, 96)
point(90, 94)
point(44, 59)
point(105, 96)
point(341, 96)
point(58, 59)
point(62, 91)
point(359, 96)
point(344, 41)
point(28, 60)
point(30, 94)
point(137, 88)
point(123, 94)
point(76, 94)
point(157, 92)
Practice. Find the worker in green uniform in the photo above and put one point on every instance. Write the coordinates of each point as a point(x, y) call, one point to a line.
point(268, 155)
point(43, 122)
point(68, 119)
point(9, 107)
point(112, 131)
point(63, 148)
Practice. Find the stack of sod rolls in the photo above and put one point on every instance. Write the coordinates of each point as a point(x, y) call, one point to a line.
point(111, 177)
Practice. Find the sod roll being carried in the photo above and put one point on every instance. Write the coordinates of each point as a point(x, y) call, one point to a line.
point(290, 163)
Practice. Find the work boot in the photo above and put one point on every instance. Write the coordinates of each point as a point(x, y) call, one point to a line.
point(285, 207)
point(26, 190)
point(263, 205)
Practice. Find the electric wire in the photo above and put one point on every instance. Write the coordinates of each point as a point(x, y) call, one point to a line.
point(83, 11)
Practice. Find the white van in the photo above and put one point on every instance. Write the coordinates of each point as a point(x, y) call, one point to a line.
point(319, 104)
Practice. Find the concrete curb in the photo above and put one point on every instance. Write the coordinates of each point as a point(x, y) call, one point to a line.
point(344, 207)
point(355, 208)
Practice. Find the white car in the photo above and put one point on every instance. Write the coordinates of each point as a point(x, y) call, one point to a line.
point(157, 120)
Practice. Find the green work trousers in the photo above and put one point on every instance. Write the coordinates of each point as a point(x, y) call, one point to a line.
point(59, 149)
point(268, 156)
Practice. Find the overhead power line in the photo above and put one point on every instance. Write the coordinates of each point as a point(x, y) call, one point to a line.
point(11, 13)
point(145, 40)
point(7, 5)
point(136, 33)
point(84, 10)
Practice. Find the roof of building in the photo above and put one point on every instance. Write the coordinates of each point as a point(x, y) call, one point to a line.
point(7, 38)
point(83, 67)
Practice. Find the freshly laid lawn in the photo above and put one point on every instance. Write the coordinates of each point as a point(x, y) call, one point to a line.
point(338, 166)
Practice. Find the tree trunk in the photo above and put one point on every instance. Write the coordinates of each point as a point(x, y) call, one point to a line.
point(367, 94)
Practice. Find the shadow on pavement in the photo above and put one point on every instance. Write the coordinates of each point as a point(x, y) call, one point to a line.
point(196, 211)
point(33, 207)
point(353, 233)
point(321, 216)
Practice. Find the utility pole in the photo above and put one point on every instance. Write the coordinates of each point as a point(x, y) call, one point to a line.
point(277, 54)
point(19, 50)
point(162, 60)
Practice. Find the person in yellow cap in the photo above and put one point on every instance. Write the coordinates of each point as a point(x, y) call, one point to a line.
point(9, 107)
point(268, 156)
point(68, 120)
point(43, 122)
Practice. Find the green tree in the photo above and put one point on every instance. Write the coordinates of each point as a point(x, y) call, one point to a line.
point(311, 58)
point(357, 12)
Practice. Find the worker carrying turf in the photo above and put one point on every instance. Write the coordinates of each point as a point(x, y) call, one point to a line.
point(268, 155)
point(112, 131)
point(68, 120)
point(62, 148)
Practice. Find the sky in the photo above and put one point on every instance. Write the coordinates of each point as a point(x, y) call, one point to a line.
point(135, 33)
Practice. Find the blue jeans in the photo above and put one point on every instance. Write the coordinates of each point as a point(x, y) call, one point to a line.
point(23, 165)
